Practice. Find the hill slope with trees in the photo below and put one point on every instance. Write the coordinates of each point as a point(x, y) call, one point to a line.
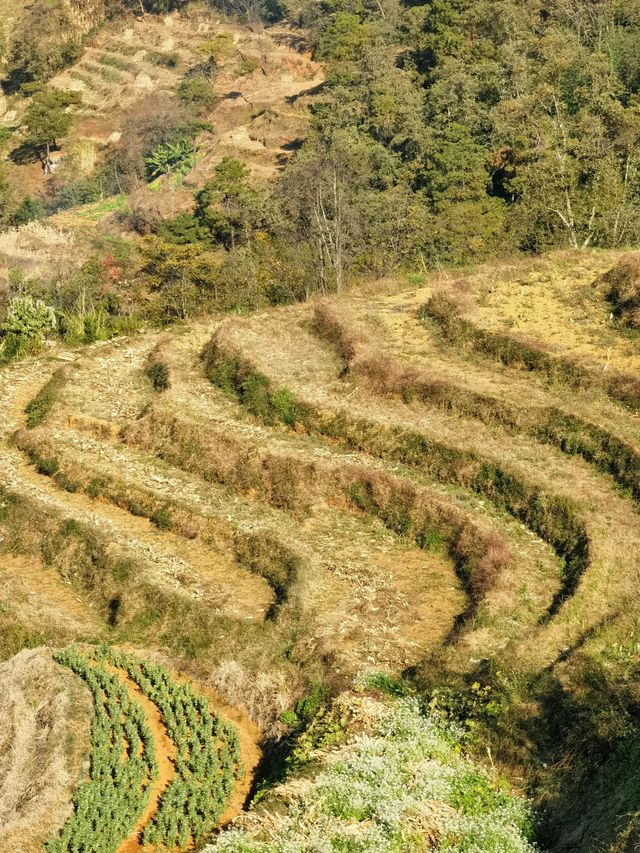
point(319, 381)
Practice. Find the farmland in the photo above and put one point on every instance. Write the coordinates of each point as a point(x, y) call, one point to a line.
point(319, 447)
point(304, 481)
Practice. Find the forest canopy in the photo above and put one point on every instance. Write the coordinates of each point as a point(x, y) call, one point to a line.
point(444, 133)
point(479, 126)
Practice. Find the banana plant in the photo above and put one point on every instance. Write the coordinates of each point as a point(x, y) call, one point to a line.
point(171, 157)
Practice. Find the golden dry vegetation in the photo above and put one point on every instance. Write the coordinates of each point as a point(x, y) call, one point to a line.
point(335, 487)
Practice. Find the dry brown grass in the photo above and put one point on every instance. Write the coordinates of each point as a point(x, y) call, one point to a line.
point(394, 474)
point(621, 286)
point(44, 739)
point(203, 565)
point(482, 556)
point(294, 362)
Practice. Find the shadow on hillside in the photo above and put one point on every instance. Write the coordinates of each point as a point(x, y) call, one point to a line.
point(292, 40)
point(580, 746)
point(12, 82)
point(571, 736)
point(314, 90)
point(24, 155)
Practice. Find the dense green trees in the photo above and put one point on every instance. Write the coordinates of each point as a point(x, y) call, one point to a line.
point(229, 208)
point(490, 125)
point(446, 132)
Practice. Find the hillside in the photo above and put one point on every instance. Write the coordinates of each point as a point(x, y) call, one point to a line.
point(126, 77)
point(334, 487)
point(319, 447)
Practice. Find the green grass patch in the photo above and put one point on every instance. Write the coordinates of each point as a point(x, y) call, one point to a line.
point(40, 407)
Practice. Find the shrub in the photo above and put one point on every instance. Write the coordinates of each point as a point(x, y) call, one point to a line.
point(48, 466)
point(26, 325)
point(196, 91)
point(268, 558)
point(42, 404)
point(162, 518)
point(285, 406)
point(622, 290)
point(158, 374)
point(171, 157)
point(166, 59)
point(28, 210)
point(385, 683)
point(247, 66)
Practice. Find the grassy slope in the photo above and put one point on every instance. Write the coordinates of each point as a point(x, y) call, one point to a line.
point(267, 503)
point(398, 783)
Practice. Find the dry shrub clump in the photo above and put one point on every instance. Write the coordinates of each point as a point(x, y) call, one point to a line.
point(265, 695)
point(216, 456)
point(328, 325)
point(231, 461)
point(622, 290)
point(480, 556)
point(157, 370)
point(40, 407)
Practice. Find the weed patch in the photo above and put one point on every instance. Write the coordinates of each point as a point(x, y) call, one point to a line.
point(40, 407)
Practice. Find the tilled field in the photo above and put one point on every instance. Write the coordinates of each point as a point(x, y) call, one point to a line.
point(352, 484)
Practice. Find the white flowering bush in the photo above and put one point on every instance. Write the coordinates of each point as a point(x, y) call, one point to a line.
point(405, 785)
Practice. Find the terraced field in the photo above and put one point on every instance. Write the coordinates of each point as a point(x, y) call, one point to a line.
point(260, 87)
point(382, 480)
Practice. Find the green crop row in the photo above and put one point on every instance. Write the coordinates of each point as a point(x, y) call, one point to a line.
point(207, 760)
point(123, 765)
